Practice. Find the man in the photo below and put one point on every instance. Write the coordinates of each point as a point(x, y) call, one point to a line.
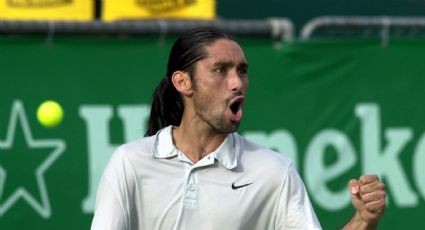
point(194, 172)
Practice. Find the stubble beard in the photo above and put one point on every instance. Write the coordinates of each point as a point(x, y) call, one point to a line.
point(214, 116)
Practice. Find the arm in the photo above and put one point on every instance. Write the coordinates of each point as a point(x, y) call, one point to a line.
point(109, 212)
point(112, 197)
point(368, 197)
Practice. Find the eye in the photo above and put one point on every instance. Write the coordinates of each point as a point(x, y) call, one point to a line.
point(220, 70)
point(243, 70)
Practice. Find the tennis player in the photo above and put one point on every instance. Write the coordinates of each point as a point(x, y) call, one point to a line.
point(194, 172)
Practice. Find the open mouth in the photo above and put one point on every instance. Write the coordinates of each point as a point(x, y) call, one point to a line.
point(235, 107)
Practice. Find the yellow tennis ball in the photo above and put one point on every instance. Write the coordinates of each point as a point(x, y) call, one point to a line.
point(50, 114)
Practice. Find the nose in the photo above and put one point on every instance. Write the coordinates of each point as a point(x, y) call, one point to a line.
point(237, 82)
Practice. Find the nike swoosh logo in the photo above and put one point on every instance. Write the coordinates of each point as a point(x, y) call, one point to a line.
point(234, 187)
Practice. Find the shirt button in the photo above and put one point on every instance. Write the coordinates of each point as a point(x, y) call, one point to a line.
point(191, 187)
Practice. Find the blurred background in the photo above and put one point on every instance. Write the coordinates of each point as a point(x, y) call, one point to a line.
point(336, 86)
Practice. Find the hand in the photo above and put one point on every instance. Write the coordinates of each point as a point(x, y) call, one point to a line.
point(368, 197)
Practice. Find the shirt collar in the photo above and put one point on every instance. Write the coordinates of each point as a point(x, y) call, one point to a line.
point(227, 153)
point(163, 146)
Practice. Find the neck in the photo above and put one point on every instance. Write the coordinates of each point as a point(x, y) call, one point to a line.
point(196, 139)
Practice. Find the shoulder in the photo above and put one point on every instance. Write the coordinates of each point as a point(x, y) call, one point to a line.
point(143, 146)
point(263, 156)
point(126, 155)
point(264, 163)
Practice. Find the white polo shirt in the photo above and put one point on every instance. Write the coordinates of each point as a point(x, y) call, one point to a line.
point(149, 184)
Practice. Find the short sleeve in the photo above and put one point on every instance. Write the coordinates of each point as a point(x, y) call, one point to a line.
point(109, 213)
point(294, 209)
point(114, 194)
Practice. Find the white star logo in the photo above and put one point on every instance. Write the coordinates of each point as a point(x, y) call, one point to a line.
point(43, 207)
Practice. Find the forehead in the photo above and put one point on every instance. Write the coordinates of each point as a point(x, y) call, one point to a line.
point(224, 50)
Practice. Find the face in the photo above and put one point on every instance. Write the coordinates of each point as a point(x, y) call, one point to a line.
point(220, 85)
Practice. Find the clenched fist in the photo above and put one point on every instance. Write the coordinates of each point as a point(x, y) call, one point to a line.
point(368, 197)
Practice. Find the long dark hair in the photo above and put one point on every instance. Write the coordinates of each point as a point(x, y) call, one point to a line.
point(167, 104)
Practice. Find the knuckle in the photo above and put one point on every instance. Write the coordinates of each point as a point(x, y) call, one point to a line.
point(365, 198)
point(363, 178)
point(376, 206)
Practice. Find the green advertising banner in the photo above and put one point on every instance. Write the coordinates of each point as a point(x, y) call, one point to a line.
point(337, 109)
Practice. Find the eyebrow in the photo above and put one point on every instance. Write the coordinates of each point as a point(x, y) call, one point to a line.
point(230, 64)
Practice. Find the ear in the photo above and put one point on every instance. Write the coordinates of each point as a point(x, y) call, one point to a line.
point(182, 82)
